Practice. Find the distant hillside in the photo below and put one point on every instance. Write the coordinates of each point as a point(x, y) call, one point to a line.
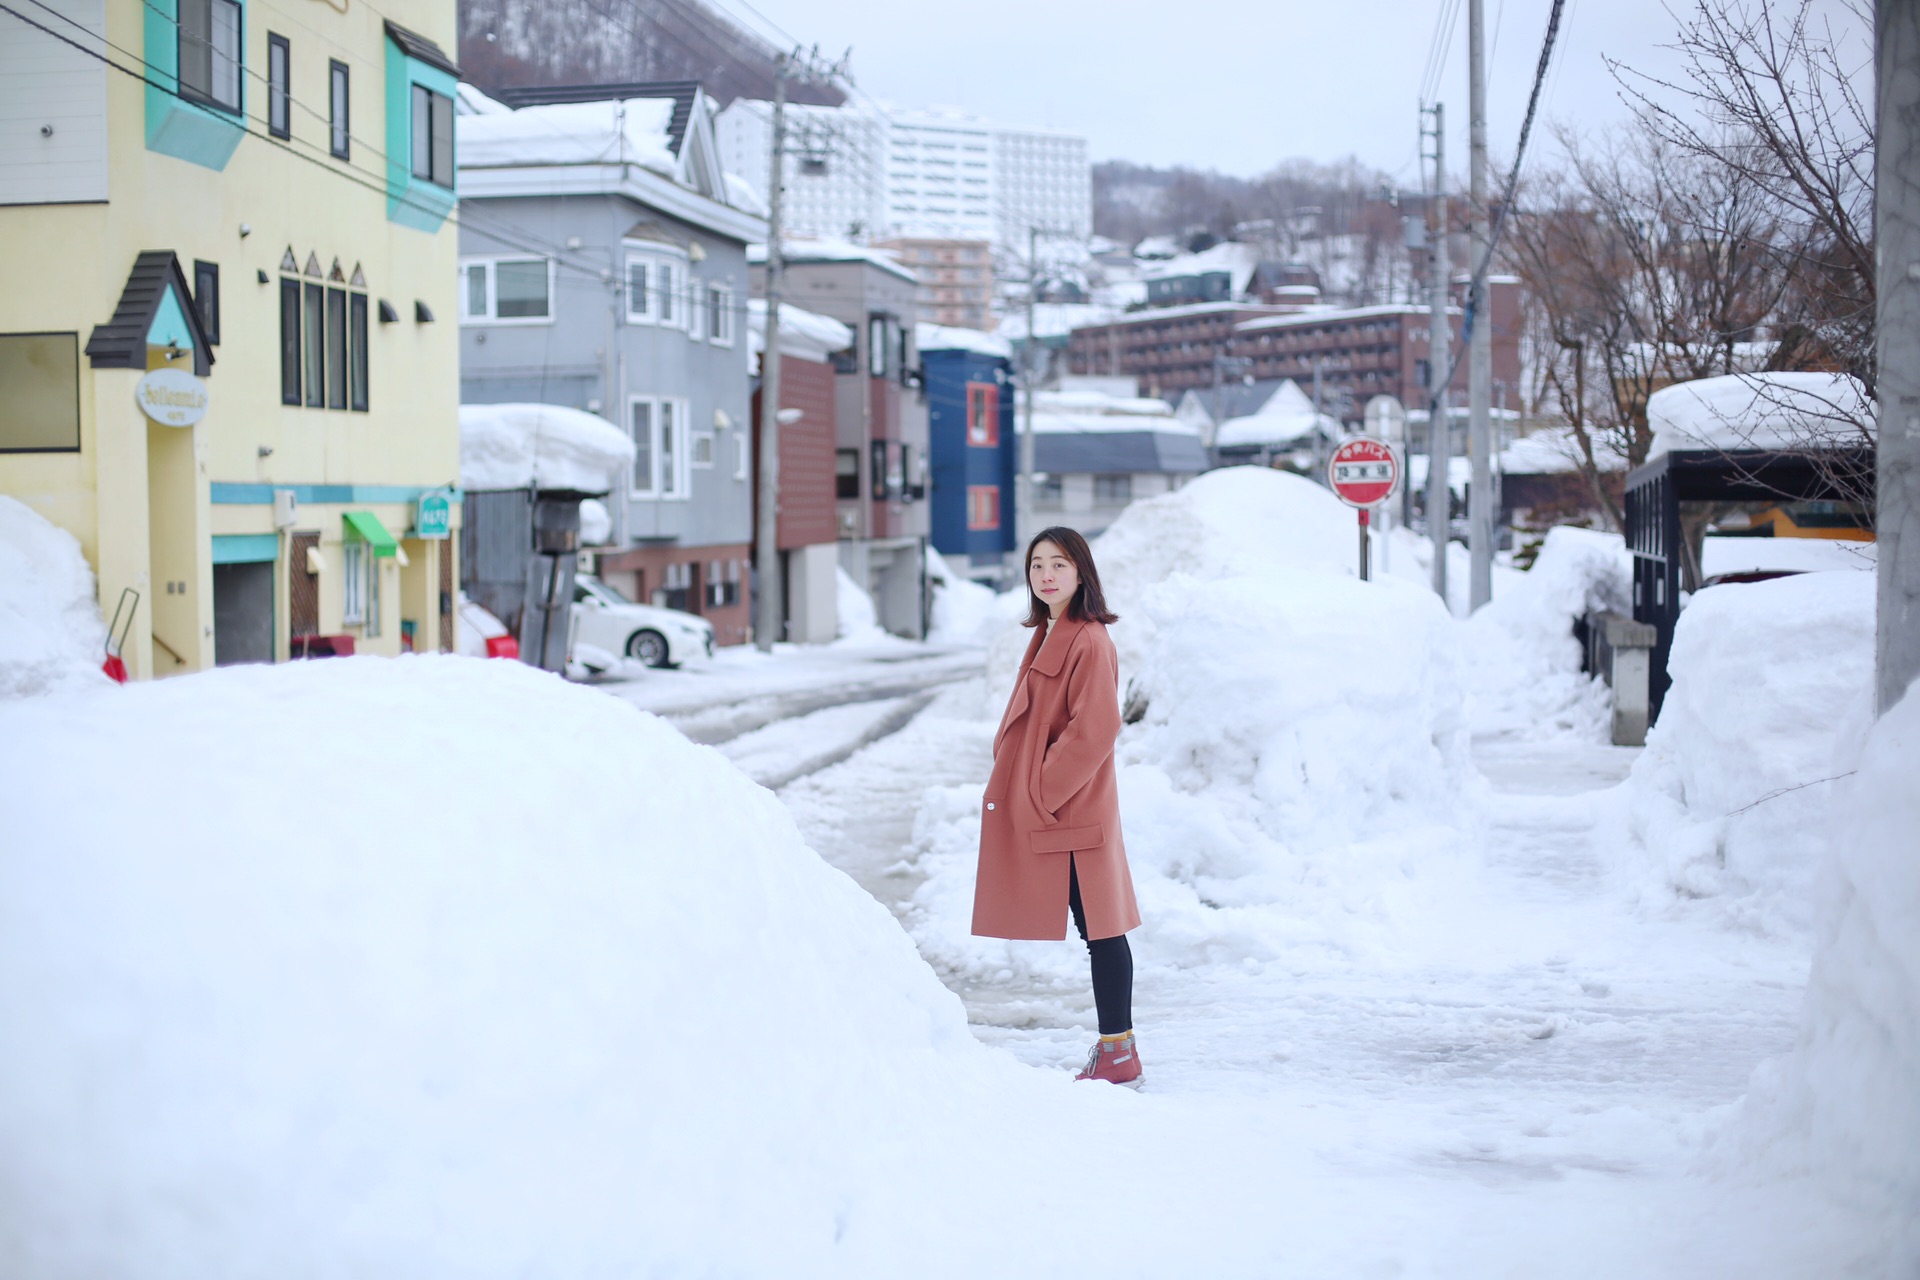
point(1133, 201)
point(508, 43)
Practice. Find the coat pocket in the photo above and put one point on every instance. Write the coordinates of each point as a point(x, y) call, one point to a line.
point(1066, 839)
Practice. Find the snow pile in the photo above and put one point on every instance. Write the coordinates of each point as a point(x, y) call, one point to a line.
point(1524, 662)
point(804, 335)
point(853, 607)
point(596, 523)
point(638, 1032)
point(1760, 411)
point(540, 446)
point(630, 131)
point(1287, 418)
point(1844, 1103)
point(1737, 554)
point(51, 636)
point(1731, 800)
point(965, 612)
point(1296, 771)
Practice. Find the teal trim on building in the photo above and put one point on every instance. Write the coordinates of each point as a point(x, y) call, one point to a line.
point(246, 548)
point(225, 494)
point(413, 202)
point(170, 327)
point(175, 127)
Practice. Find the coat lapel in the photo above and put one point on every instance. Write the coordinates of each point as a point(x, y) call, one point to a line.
point(1017, 705)
point(1053, 650)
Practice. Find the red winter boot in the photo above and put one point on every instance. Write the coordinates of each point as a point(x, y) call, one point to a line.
point(1117, 1061)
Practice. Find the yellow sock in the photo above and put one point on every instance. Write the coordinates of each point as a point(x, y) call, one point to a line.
point(1111, 1039)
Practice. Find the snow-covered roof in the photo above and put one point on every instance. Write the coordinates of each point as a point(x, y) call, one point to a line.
point(833, 251)
point(1151, 314)
point(539, 446)
point(469, 101)
point(1552, 451)
point(805, 335)
point(1322, 314)
point(940, 337)
point(628, 131)
point(1054, 319)
point(1760, 411)
point(1238, 260)
point(1288, 417)
point(1089, 410)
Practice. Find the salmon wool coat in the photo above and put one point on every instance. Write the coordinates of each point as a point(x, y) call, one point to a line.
point(1053, 794)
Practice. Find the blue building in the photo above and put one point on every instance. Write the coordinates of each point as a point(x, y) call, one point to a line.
point(969, 389)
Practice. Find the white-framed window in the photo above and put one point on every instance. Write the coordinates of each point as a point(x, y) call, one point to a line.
point(506, 291)
point(353, 582)
point(662, 456)
point(719, 297)
point(657, 289)
point(703, 446)
point(742, 456)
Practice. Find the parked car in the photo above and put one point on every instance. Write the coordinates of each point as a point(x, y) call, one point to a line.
point(650, 634)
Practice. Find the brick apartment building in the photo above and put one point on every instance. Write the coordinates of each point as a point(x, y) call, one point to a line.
point(956, 278)
point(1167, 349)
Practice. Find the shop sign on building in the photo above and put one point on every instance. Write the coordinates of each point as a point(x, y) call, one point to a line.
point(433, 514)
point(171, 397)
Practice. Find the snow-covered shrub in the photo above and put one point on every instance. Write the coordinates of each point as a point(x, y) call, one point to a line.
point(1299, 761)
point(1731, 800)
point(1523, 660)
point(51, 635)
point(1844, 1104)
point(480, 1005)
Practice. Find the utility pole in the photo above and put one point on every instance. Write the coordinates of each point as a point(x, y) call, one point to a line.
point(1480, 342)
point(1439, 501)
point(767, 620)
point(1031, 362)
point(1896, 210)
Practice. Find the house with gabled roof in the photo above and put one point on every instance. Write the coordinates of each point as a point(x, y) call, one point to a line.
point(603, 267)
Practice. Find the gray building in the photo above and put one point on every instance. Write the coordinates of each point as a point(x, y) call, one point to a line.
point(1096, 453)
point(603, 267)
point(881, 465)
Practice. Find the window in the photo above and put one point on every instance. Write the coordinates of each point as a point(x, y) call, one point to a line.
point(877, 346)
point(723, 583)
point(695, 321)
point(507, 291)
point(289, 341)
point(336, 348)
point(1113, 488)
point(983, 414)
point(879, 450)
point(1048, 493)
point(432, 136)
point(314, 316)
point(41, 410)
point(720, 314)
point(983, 506)
point(339, 134)
point(913, 474)
point(742, 449)
point(846, 473)
point(703, 448)
point(661, 452)
point(279, 82)
point(209, 52)
point(357, 352)
point(676, 585)
point(354, 556)
point(206, 298)
point(656, 291)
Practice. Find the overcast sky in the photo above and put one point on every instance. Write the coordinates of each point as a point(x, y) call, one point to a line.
point(1234, 85)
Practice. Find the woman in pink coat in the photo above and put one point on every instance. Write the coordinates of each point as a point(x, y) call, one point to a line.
point(1050, 819)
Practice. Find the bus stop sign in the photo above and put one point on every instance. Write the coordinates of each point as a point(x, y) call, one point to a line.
point(1364, 471)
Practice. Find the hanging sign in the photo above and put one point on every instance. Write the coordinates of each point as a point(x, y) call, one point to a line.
point(433, 515)
point(171, 397)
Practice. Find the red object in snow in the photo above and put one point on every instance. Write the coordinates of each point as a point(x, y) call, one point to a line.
point(1364, 471)
point(502, 646)
point(114, 665)
point(321, 647)
point(116, 668)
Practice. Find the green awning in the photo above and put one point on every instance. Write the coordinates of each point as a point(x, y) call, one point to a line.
point(366, 526)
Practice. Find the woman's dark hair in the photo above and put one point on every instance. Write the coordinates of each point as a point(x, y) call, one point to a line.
point(1089, 604)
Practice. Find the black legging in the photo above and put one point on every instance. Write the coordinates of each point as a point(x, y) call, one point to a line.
point(1112, 965)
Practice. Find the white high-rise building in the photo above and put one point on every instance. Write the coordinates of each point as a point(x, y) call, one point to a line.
point(859, 174)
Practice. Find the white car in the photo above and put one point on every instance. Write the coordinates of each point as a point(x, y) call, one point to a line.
point(604, 618)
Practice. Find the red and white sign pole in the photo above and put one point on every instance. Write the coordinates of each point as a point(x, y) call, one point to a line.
point(1364, 472)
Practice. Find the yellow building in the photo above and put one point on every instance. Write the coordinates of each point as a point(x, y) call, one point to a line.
point(228, 344)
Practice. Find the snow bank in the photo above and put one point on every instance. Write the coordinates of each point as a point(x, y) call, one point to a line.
point(1296, 771)
point(1844, 1103)
point(1759, 411)
point(51, 635)
point(967, 612)
point(630, 131)
point(541, 446)
point(1524, 662)
point(263, 1020)
point(596, 523)
point(1731, 800)
point(853, 607)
